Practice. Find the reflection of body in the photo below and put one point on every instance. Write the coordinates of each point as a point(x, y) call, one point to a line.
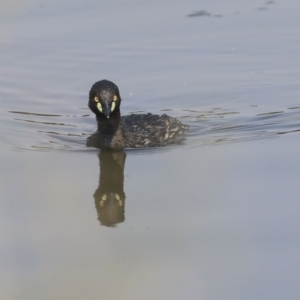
point(133, 131)
point(109, 196)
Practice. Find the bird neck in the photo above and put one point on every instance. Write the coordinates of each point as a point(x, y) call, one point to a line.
point(109, 126)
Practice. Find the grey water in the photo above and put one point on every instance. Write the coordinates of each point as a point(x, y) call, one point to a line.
point(216, 217)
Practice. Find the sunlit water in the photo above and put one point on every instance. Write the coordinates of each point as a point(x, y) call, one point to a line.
point(213, 218)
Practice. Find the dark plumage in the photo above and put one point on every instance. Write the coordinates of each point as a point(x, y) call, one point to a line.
point(132, 131)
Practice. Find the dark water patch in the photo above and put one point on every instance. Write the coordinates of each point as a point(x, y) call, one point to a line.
point(57, 133)
point(290, 131)
point(227, 113)
point(205, 13)
point(34, 114)
point(200, 13)
point(46, 123)
point(270, 113)
point(262, 8)
point(137, 112)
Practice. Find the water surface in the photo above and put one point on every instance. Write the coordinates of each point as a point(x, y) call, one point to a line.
point(214, 218)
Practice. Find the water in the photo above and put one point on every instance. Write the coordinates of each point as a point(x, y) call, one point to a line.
point(214, 218)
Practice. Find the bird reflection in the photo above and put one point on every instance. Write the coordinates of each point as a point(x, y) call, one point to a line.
point(109, 196)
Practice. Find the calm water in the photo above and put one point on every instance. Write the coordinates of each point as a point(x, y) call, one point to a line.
point(214, 218)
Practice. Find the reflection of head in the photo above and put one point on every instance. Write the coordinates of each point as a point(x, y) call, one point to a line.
point(109, 196)
point(110, 208)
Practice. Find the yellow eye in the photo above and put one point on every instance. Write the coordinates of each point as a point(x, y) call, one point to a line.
point(115, 98)
point(96, 99)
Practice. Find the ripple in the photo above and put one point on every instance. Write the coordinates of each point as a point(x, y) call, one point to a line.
point(45, 123)
point(57, 132)
point(47, 132)
point(33, 114)
point(209, 128)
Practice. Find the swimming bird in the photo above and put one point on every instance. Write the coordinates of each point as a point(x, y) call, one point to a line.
point(132, 131)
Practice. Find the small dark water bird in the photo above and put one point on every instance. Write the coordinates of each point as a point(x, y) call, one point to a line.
point(132, 131)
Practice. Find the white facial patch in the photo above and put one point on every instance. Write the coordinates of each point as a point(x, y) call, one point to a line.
point(113, 105)
point(99, 106)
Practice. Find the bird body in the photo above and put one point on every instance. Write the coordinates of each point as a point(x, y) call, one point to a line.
point(132, 131)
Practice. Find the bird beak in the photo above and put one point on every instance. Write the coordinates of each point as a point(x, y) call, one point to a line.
point(106, 110)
